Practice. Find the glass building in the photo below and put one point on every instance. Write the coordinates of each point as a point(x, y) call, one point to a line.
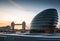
point(45, 21)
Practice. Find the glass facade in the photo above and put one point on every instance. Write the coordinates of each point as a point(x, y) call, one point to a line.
point(45, 19)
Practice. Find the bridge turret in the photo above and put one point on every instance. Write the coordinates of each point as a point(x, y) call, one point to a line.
point(23, 25)
point(12, 25)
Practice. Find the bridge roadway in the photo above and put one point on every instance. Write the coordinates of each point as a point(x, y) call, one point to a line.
point(30, 37)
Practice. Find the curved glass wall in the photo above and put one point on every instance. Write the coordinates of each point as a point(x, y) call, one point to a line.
point(45, 19)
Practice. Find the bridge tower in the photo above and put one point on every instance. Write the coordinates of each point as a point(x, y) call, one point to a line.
point(12, 26)
point(23, 25)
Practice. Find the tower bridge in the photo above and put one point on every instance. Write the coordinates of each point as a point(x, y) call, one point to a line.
point(23, 25)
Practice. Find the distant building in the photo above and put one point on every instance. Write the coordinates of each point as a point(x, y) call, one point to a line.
point(5, 29)
point(58, 30)
point(45, 21)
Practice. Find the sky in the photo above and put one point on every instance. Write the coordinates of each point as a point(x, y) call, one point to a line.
point(25, 10)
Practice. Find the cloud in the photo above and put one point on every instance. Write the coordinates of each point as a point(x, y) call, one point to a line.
point(18, 6)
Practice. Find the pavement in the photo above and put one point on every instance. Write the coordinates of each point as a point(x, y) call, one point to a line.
point(29, 37)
